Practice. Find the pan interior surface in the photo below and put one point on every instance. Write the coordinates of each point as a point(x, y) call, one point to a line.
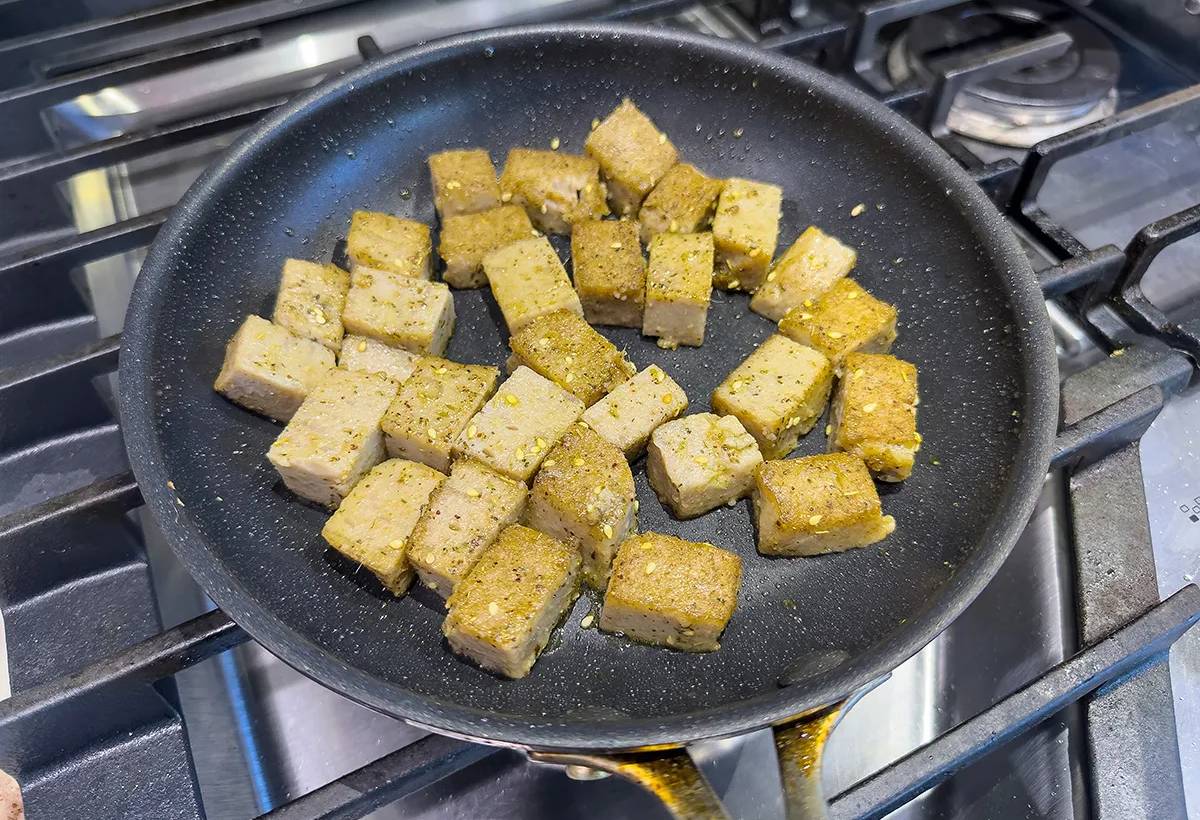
point(926, 241)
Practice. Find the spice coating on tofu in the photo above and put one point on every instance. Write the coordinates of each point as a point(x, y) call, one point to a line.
point(699, 462)
point(502, 613)
point(610, 273)
point(678, 288)
point(635, 408)
point(807, 269)
point(745, 230)
point(557, 190)
point(633, 155)
point(778, 393)
point(399, 310)
point(385, 242)
point(670, 592)
point(566, 350)
point(874, 414)
point(372, 356)
point(528, 281)
point(269, 369)
point(464, 182)
point(683, 201)
point(467, 238)
point(844, 319)
point(310, 301)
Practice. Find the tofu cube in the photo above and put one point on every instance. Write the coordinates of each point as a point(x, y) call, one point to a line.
point(464, 517)
point(778, 393)
point(310, 301)
point(670, 592)
point(368, 355)
point(874, 414)
point(269, 369)
point(678, 288)
point(390, 243)
point(610, 273)
point(844, 319)
point(519, 425)
point(334, 437)
point(699, 462)
point(528, 281)
point(633, 156)
point(502, 613)
point(683, 201)
point(583, 495)
point(467, 238)
point(557, 190)
point(806, 270)
point(818, 504)
point(433, 406)
point(745, 230)
point(635, 408)
point(464, 182)
point(399, 310)
point(569, 352)
point(374, 524)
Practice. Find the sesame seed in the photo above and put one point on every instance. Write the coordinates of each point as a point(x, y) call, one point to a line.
point(432, 433)
point(851, 296)
point(808, 302)
point(828, 429)
point(471, 431)
point(813, 520)
point(506, 196)
point(595, 123)
point(608, 531)
point(935, 462)
point(511, 400)
point(650, 567)
point(701, 460)
point(771, 276)
point(362, 346)
point(569, 378)
point(549, 462)
point(869, 408)
point(734, 284)
point(737, 133)
point(836, 334)
point(544, 208)
point(858, 210)
point(170, 485)
point(541, 442)
point(179, 501)
point(662, 138)
point(441, 371)
point(536, 232)
point(577, 461)
point(453, 185)
point(520, 454)
point(674, 226)
point(474, 493)
point(554, 143)
point(858, 373)
point(667, 398)
point(636, 505)
point(587, 620)
point(616, 246)
point(493, 608)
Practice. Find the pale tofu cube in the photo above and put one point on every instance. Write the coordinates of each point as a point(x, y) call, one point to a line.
point(557, 190)
point(400, 311)
point(635, 408)
point(463, 519)
point(269, 369)
point(699, 462)
point(610, 273)
point(633, 156)
point(678, 288)
point(669, 592)
point(433, 406)
point(683, 201)
point(467, 238)
point(464, 182)
point(375, 522)
point(390, 243)
point(844, 319)
point(569, 352)
point(368, 355)
point(874, 414)
point(310, 301)
point(334, 437)
point(502, 613)
point(528, 281)
point(807, 269)
point(777, 393)
point(745, 230)
point(517, 427)
point(818, 504)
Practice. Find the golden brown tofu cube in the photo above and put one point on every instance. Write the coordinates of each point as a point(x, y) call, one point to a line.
point(464, 182)
point(375, 521)
point(699, 462)
point(310, 301)
point(371, 356)
point(633, 155)
point(269, 369)
point(683, 201)
point(528, 281)
point(635, 408)
point(386, 242)
point(557, 190)
point(678, 288)
point(670, 592)
point(807, 269)
point(399, 310)
point(844, 319)
point(567, 351)
point(433, 406)
point(610, 274)
point(745, 230)
point(466, 239)
point(501, 614)
point(874, 414)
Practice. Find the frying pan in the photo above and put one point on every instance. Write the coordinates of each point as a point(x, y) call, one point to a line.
point(807, 633)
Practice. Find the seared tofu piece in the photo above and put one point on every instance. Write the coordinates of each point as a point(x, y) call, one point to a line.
point(310, 301)
point(502, 612)
point(844, 319)
point(678, 288)
point(519, 425)
point(807, 269)
point(557, 190)
point(399, 310)
point(670, 592)
point(683, 201)
point(569, 352)
point(385, 242)
point(818, 504)
point(467, 238)
point(528, 281)
point(778, 393)
point(374, 524)
point(633, 156)
point(464, 517)
point(583, 495)
point(433, 406)
point(635, 408)
point(699, 462)
point(464, 182)
point(745, 230)
point(368, 355)
point(610, 273)
point(334, 438)
point(269, 369)
point(874, 414)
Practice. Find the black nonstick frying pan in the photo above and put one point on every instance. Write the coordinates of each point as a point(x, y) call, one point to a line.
point(807, 632)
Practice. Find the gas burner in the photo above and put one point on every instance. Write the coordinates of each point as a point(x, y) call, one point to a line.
point(1026, 106)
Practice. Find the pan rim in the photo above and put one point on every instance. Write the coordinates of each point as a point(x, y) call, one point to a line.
point(1010, 515)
